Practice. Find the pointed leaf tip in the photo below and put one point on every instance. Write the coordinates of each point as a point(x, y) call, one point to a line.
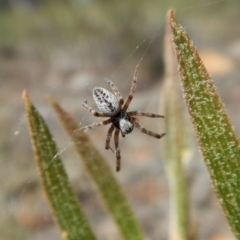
point(171, 14)
point(25, 95)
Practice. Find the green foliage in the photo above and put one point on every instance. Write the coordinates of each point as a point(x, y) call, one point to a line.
point(102, 175)
point(217, 139)
point(174, 147)
point(64, 202)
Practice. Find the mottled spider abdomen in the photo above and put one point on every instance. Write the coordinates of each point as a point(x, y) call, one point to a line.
point(106, 102)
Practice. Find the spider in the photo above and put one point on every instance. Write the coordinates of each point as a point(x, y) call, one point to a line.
point(113, 107)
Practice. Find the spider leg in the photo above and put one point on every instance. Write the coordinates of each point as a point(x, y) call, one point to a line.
point(117, 149)
point(132, 90)
point(96, 124)
point(109, 135)
point(116, 91)
point(139, 113)
point(92, 111)
point(123, 135)
point(144, 130)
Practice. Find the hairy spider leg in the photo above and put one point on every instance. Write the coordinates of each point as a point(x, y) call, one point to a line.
point(96, 124)
point(117, 149)
point(123, 135)
point(92, 111)
point(116, 91)
point(140, 113)
point(132, 90)
point(109, 135)
point(144, 130)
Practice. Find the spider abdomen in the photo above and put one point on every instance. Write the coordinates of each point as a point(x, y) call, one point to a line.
point(122, 121)
point(105, 101)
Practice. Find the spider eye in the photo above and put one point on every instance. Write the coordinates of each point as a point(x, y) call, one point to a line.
point(106, 102)
point(125, 126)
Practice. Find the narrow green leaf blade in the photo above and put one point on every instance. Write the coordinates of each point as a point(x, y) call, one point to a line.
point(97, 167)
point(64, 202)
point(174, 145)
point(217, 139)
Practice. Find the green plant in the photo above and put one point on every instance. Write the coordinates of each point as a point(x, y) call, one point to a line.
point(217, 139)
point(68, 213)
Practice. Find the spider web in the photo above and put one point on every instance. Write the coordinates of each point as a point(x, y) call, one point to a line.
point(138, 55)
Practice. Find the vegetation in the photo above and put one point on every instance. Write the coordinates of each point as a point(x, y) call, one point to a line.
point(215, 134)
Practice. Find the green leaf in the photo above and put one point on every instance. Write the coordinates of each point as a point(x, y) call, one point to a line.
point(64, 203)
point(174, 147)
point(217, 139)
point(101, 173)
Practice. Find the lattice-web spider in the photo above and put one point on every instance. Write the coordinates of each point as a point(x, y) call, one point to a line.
point(113, 106)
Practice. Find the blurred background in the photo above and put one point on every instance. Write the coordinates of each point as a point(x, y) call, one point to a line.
point(65, 48)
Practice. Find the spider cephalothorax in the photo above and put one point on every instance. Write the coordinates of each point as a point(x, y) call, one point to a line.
point(113, 107)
